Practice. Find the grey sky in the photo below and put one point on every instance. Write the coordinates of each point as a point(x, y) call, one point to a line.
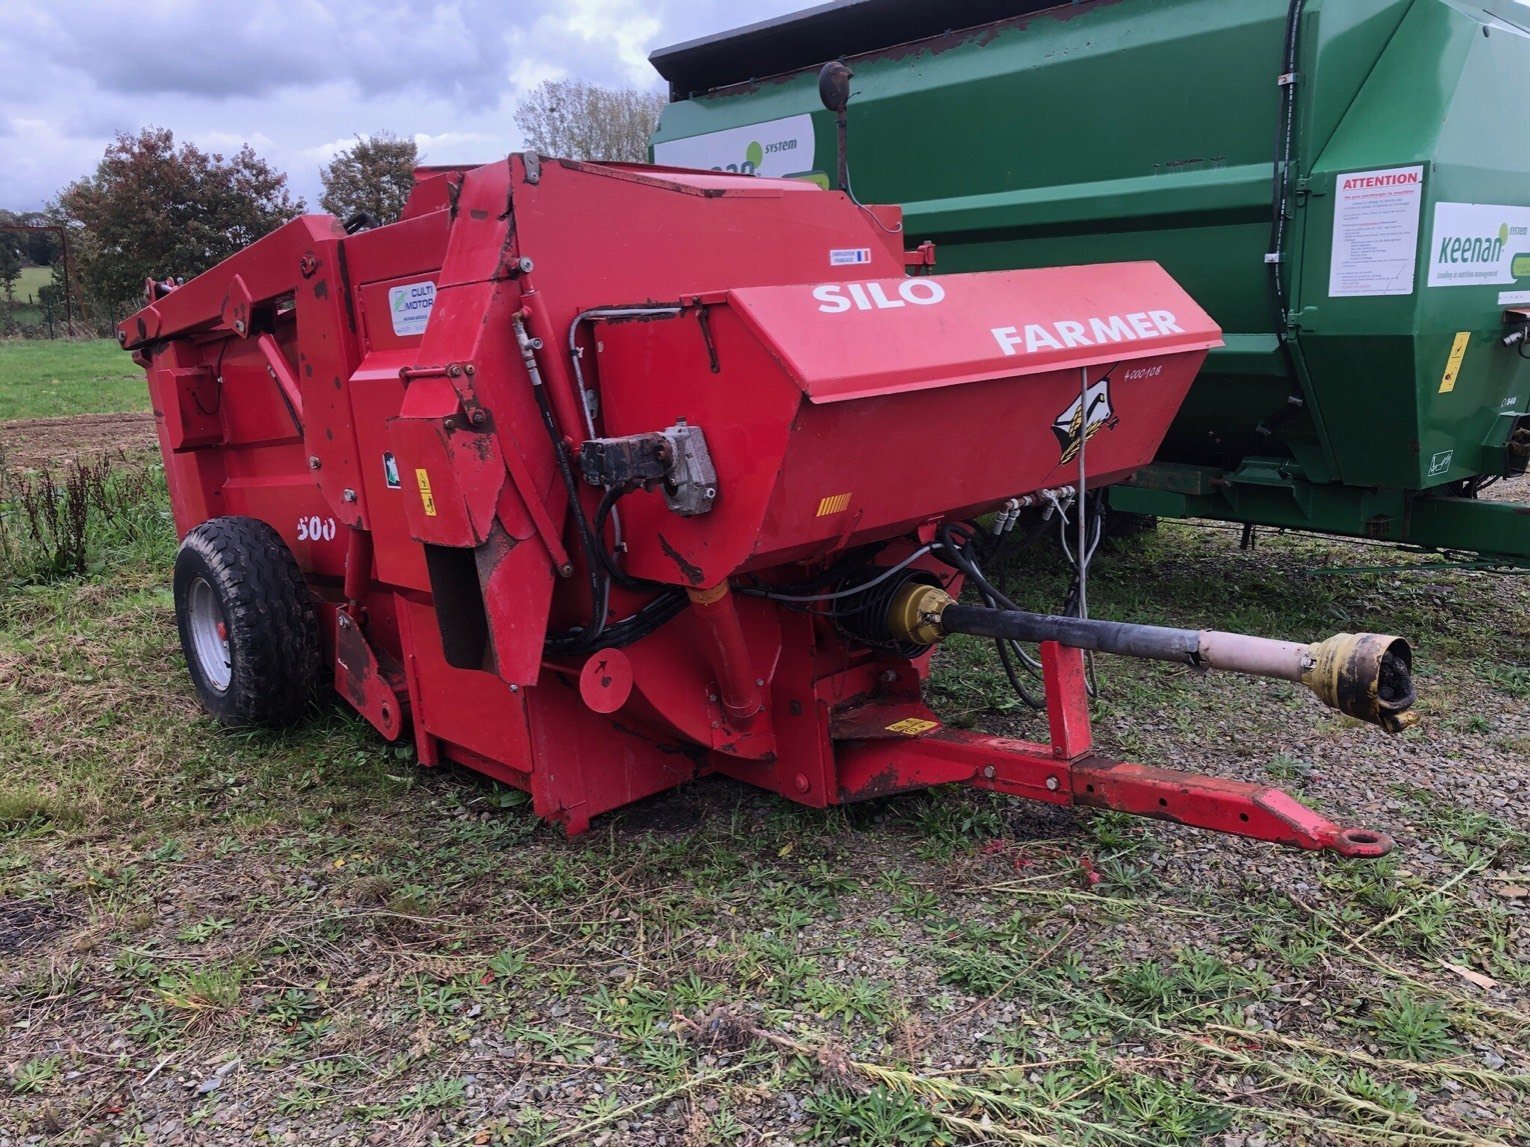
point(301, 78)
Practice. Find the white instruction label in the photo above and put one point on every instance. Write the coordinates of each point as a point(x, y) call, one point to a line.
point(1476, 244)
point(410, 307)
point(1375, 232)
point(849, 256)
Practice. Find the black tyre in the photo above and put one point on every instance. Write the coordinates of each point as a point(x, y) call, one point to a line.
point(247, 623)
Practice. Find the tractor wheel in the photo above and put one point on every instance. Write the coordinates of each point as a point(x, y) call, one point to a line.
point(247, 623)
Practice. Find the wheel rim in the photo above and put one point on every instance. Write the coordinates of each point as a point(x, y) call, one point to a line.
point(209, 635)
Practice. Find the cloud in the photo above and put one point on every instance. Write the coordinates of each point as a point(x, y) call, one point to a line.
point(299, 79)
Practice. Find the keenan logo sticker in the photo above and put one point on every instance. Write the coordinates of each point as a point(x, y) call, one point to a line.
point(1479, 244)
point(1090, 413)
point(774, 148)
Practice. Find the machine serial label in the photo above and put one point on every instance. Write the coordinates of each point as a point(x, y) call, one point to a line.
point(410, 306)
point(427, 499)
point(1453, 363)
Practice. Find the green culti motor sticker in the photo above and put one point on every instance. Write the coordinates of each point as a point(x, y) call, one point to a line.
point(1520, 267)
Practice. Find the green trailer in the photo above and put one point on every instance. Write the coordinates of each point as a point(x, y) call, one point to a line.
point(1343, 184)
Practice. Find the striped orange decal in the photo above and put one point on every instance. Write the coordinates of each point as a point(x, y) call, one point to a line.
point(833, 504)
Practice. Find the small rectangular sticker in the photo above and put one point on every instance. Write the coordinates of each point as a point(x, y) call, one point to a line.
point(912, 726)
point(833, 504)
point(427, 499)
point(410, 305)
point(1440, 463)
point(849, 256)
point(390, 471)
point(1453, 363)
point(1513, 298)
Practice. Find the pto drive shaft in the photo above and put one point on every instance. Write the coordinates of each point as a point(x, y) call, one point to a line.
point(1365, 675)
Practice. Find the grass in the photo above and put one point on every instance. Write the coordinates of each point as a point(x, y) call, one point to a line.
point(50, 378)
point(28, 312)
point(306, 929)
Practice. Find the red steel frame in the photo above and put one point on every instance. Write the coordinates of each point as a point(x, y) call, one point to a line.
point(1065, 771)
point(841, 412)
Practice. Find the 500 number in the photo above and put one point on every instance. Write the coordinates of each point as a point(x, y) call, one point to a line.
point(316, 529)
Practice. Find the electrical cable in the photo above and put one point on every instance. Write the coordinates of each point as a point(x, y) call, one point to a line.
point(836, 595)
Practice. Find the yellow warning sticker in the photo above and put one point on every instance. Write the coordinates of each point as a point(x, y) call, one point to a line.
point(912, 726)
point(1453, 363)
point(422, 477)
point(833, 504)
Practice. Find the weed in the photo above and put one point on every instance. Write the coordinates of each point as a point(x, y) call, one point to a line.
point(570, 1044)
point(872, 1119)
point(301, 1100)
point(432, 1096)
point(28, 809)
point(52, 521)
point(1410, 1027)
point(203, 930)
point(949, 819)
point(508, 964)
point(859, 999)
point(1285, 767)
point(33, 1075)
point(1393, 1096)
point(215, 987)
point(153, 1027)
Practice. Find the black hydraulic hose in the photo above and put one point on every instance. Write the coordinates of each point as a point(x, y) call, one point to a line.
point(607, 558)
point(1285, 139)
point(1155, 642)
point(600, 589)
point(959, 559)
point(956, 556)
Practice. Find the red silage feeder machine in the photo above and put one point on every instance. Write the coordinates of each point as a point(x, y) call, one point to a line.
point(599, 478)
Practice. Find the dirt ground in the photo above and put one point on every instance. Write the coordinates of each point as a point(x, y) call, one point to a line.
point(32, 443)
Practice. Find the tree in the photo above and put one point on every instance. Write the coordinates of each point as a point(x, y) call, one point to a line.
point(576, 120)
point(10, 271)
point(376, 175)
point(155, 209)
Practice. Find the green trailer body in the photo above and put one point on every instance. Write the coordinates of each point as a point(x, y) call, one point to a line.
point(1352, 204)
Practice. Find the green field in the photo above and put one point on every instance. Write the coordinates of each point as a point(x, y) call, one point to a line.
point(47, 378)
point(32, 280)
